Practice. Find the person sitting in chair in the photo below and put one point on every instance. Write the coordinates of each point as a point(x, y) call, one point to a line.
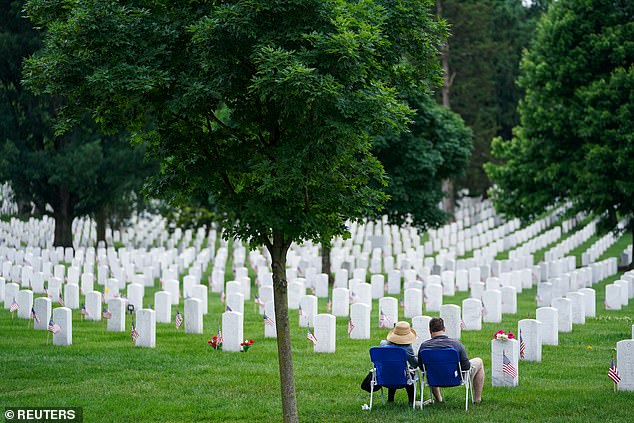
point(402, 336)
point(475, 366)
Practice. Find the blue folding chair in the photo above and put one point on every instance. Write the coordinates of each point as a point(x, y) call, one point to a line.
point(390, 370)
point(442, 369)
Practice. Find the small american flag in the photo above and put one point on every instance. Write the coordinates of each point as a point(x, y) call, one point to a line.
point(484, 310)
point(14, 306)
point(613, 373)
point(84, 312)
point(328, 305)
point(354, 298)
point(605, 304)
point(401, 302)
point(219, 335)
point(311, 336)
point(34, 315)
point(222, 297)
point(462, 325)
point(507, 366)
point(228, 309)
point(179, 319)
point(106, 314)
point(258, 301)
point(301, 312)
point(350, 326)
point(268, 321)
point(522, 346)
point(384, 321)
point(53, 327)
point(133, 333)
point(60, 300)
point(46, 292)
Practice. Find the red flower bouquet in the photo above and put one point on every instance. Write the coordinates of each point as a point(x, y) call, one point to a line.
point(246, 344)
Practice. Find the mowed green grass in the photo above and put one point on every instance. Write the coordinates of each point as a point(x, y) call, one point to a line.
point(184, 380)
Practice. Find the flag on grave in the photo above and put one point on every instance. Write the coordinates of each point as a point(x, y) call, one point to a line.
point(14, 306)
point(328, 305)
point(613, 373)
point(179, 319)
point(53, 327)
point(134, 334)
point(300, 311)
point(219, 335)
point(228, 309)
point(60, 300)
point(268, 321)
point(350, 326)
point(258, 301)
point(34, 315)
point(384, 321)
point(84, 312)
point(106, 314)
point(507, 366)
point(522, 346)
point(311, 336)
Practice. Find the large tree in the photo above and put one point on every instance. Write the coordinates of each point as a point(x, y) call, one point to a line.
point(576, 138)
point(65, 175)
point(269, 105)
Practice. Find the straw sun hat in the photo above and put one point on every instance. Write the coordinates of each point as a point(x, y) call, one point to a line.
point(402, 334)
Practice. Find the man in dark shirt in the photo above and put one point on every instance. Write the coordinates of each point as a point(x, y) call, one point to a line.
point(475, 366)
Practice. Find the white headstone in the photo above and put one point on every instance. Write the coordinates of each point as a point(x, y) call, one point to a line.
point(420, 324)
point(564, 314)
point(25, 303)
point(361, 293)
point(341, 278)
point(492, 283)
point(37, 284)
point(499, 351)
point(10, 293)
point(188, 283)
point(625, 364)
point(509, 299)
point(550, 324)
point(270, 330)
point(135, 295)
point(389, 307)
point(193, 317)
point(472, 314)
point(544, 294)
point(308, 307)
point(321, 285)
point(462, 280)
point(117, 307)
point(590, 301)
point(394, 282)
point(296, 290)
point(163, 306)
point(43, 308)
point(578, 307)
point(93, 306)
point(172, 286)
point(625, 296)
point(432, 295)
point(63, 316)
point(266, 294)
point(360, 317)
point(529, 331)
point(3, 283)
point(612, 297)
point(112, 288)
point(477, 288)
point(492, 306)
point(340, 301)
point(201, 292)
point(325, 332)
point(450, 313)
point(413, 303)
point(232, 331)
point(448, 282)
point(235, 302)
point(146, 327)
point(87, 283)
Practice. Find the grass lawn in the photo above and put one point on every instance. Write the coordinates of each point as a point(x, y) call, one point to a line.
point(183, 379)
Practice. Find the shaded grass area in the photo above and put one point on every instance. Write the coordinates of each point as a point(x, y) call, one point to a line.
point(183, 379)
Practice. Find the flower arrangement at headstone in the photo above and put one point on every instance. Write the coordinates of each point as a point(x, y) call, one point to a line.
point(502, 336)
point(215, 342)
point(245, 345)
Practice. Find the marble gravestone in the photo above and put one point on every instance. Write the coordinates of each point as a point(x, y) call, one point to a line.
point(340, 302)
point(146, 327)
point(163, 306)
point(529, 331)
point(477, 288)
point(360, 317)
point(10, 293)
point(325, 332)
point(43, 309)
point(544, 294)
point(172, 286)
point(341, 278)
point(420, 324)
point(577, 307)
point(232, 331)
point(87, 283)
point(308, 306)
point(589, 298)
point(448, 282)
point(549, 318)
point(509, 299)
point(389, 307)
point(93, 306)
point(462, 280)
point(612, 297)
point(63, 316)
point(505, 352)
point(413, 303)
point(135, 295)
point(71, 296)
point(296, 290)
point(117, 307)
point(266, 295)
point(394, 282)
point(193, 317)
point(472, 314)
point(235, 302)
point(270, 331)
point(378, 286)
point(321, 285)
point(625, 364)
point(492, 306)
point(432, 296)
point(201, 292)
point(25, 303)
point(450, 313)
point(564, 314)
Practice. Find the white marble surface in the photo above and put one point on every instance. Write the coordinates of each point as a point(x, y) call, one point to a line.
point(63, 316)
point(25, 302)
point(432, 296)
point(117, 307)
point(472, 314)
point(71, 296)
point(413, 302)
point(193, 316)
point(550, 325)
point(360, 315)
point(511, 350)
point(530, 331)
point(232, 331)
point(93, 306)
point(309, 307)
point(492, 305)
point(625, 364)
point(325, 332)
point(341, 302)
point(389, 306)
point(43, 309)
point(564, 313)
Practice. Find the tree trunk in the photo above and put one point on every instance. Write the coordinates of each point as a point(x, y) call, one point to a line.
point(100, 219)
point(278, 251)
point(64, 215)
point(449, 202)
point(325, 262)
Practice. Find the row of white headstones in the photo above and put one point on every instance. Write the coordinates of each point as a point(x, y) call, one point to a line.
point(489, 300)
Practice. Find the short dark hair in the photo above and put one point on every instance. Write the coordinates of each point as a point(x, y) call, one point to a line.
point(436, 324)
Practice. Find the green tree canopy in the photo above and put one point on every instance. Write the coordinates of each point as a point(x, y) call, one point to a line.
point(576, 138)
point(269, 105)
point(436, 147)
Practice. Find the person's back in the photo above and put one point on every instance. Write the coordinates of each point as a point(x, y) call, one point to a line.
point(440, 340)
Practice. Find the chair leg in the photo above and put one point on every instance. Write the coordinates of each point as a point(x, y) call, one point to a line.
point(371, 394)
point(466, 399)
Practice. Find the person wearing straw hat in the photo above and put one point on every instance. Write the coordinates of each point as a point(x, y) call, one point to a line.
point(402, 336)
